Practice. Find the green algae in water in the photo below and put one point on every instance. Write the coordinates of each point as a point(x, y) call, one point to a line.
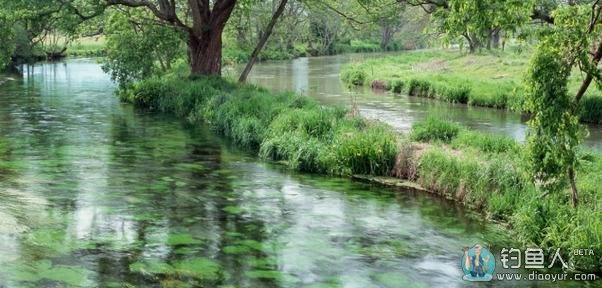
point(390, 249)
point(232, 209)
point(186, 250)
point(264, 274)
point(251, 244)
point(44, 270)
point(151, 267)
point(236, 249)
point(201, 268)
point(397, 280)
point(198, 267)
point(262, 263)
point(182, 239)
point(175, 283)
point(53, 241)
point(243, 247)
point(198, 167)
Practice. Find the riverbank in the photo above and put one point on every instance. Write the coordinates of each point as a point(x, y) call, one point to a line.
point(488, 80)
point(479, 170)
point(235, 55)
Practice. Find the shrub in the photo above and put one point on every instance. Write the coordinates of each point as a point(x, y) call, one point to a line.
point(420, 88)
point(454, 93)
point(370, 151)
point(397, 85)
point(433, 129)
point(354, 75)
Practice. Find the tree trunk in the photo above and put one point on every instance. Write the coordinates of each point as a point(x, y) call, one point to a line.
point(495, 39)
point(386, 35)
point(574, 194)
point(206, 53)
point(264, 38)
point(473, 43)
point(472, 47)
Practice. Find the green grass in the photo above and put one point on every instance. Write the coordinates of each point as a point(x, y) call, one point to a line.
point(481, 170)
point(433, 129)
point(489, 79)
point(486, 172)
point(83, 47)
point(86, 47)
point(282, 127)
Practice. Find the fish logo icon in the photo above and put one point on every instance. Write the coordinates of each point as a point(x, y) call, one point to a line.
point(478, 264)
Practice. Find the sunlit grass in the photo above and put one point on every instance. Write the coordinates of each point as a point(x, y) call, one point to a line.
point(483, 79)
point(88, 46)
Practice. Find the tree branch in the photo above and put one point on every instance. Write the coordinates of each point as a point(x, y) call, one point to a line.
point(166, 10)
point(589, 77)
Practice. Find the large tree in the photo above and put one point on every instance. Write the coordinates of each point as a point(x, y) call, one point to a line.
point(203, 24)
point(33, 24)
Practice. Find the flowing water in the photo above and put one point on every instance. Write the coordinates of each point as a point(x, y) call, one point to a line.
point(319, 77)
point(94, 193)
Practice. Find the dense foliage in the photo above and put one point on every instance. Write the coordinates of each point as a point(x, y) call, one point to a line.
point(7, 46)
point(555, 132)
point(137, 50)
point(481, 22)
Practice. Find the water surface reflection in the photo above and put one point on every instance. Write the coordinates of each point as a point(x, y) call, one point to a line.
point(102, 195)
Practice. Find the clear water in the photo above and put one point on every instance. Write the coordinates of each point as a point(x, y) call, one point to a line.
point(102, 195)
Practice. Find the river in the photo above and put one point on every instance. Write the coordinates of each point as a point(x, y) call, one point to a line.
point(99, 194)
point(319, 77)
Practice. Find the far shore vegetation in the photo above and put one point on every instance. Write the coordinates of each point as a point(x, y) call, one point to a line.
point(488, 78)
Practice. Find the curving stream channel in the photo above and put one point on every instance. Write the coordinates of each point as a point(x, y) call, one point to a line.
point(98, 194)
point(319, 77)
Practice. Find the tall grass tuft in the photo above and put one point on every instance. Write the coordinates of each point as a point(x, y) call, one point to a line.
point(354, 75)
point(434, 129)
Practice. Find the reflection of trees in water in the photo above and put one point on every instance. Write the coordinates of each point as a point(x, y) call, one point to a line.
point(179, 184)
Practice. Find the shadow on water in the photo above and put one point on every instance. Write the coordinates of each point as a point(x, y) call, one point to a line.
point(103, 195)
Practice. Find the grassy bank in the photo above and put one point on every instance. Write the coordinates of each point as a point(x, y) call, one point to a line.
point(483, 171)
point(87, 47)
point(490, 80)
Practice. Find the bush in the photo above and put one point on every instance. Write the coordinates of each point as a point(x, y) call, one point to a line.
point(433, 129)
point(354, 75)
point(397, 85)
point(371, 151)
point(420, 88)
point(454, 93)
